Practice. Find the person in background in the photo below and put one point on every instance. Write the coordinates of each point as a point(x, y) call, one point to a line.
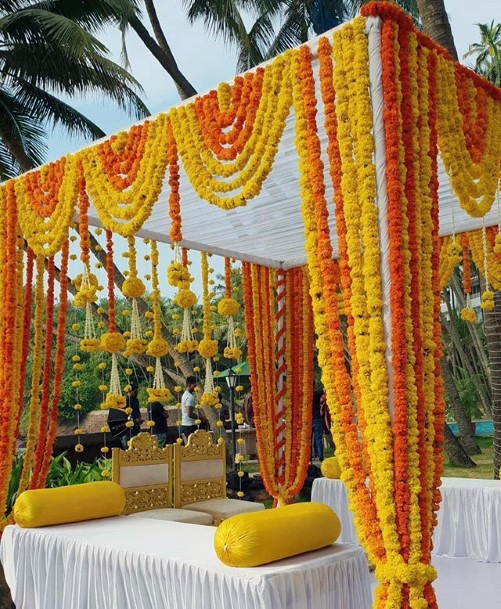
point(317, 425)
point(159, 416)
point(132, 402)
point(188, 411)
point(326, 417)
point(248, 411)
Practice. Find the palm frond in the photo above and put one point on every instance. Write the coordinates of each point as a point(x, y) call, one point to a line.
point(22, 135)
point(49, 110)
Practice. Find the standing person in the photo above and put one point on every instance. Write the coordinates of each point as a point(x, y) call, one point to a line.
point(188, 414)
point(317, 424)
point(159, 416)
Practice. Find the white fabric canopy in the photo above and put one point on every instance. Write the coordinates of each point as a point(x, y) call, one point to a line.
point(269, 229)
point(469, 519)
point(117, 563)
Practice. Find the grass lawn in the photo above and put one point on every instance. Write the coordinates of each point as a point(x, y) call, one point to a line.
point(483, 461)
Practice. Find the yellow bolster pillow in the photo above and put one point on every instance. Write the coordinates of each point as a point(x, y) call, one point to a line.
point(330, 468)
point(48, 506)
point(257, 538)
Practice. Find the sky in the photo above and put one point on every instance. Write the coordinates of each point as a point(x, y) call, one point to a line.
point(206, 61)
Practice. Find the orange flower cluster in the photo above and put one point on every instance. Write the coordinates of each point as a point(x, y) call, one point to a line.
point(83, 218)
point(111, 282)
point(213, 121)
point(43, 187)
point(121, 156)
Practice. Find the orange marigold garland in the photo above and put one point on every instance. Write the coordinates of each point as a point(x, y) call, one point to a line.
point(58, 366)
point(281, 380)
point(37, 350)
point(263, 415)
point(174, 197)
point(46, 377)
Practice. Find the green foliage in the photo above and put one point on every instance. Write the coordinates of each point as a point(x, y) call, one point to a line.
point(48, 49)
point(469, 396)
point(487, 52)
point(61, 473)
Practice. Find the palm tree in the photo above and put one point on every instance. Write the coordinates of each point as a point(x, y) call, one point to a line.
point(298, 20)
point(48, 50)
point(488, 52)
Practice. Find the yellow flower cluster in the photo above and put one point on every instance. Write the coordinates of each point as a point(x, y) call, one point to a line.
point(255, 161)
point(45, 236)
point(475, 184)
point(125, 211)
point(112, 342)
point(178, 275)
point(185, 298)
point(227, 307)
point(158, 394)
point(133, 287)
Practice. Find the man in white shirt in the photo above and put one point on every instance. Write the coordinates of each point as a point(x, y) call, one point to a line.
point(188, 412)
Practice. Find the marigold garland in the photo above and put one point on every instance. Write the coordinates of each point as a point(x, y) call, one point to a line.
point(37, 351)
point(58, 366)
point(124, 205)
point(46, 377)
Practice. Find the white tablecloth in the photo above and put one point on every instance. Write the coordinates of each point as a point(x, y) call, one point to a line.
point(469, 520)
point(124, 563)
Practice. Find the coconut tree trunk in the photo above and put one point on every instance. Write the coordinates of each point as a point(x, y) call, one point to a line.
point(436, 24)
point(165, 57)
point(493, 337)
point(466, 434)
point(455, 452)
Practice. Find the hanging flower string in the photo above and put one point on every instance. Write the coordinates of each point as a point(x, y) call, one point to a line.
point(86, 283)
point(134, 288)
point(207, 347)
point(467, 313)
point(185, 299)
point(487, 297)
point(58, 366)
point(228, 307)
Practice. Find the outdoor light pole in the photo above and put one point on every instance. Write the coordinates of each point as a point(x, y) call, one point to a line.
point(231, 380)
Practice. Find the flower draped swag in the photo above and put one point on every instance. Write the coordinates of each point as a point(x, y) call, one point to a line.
point(387, 412)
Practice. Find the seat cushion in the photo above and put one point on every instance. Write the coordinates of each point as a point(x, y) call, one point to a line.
point(175, 515)
point(223, 508)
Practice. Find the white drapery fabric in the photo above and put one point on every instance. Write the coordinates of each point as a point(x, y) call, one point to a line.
point(119, 564)
point(469, 520)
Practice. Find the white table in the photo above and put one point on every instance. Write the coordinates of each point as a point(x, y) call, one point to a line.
point(124, 563)
point(469, 520)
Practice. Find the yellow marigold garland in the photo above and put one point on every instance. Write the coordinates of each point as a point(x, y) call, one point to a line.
point(124, 211)
point(475, 184)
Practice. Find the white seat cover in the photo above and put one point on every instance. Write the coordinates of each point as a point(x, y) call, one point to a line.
point(175, 515)
point(223, 508)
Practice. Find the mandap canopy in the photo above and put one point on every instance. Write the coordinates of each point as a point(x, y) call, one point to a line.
point(359, 157)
